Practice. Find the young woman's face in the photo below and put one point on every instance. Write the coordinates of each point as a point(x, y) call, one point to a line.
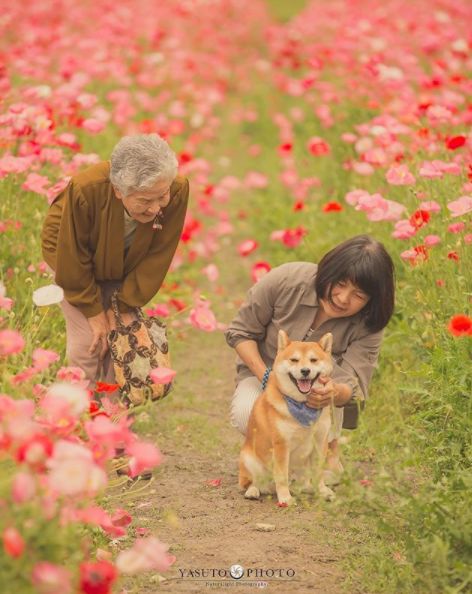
point(348, 300)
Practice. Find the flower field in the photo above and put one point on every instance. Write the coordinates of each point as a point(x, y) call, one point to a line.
point(297, 129)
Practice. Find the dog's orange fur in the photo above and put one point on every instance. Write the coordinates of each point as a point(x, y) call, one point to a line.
point(276, 442)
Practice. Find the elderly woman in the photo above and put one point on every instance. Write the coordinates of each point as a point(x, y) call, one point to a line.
point(115, 226)
point(350, 293)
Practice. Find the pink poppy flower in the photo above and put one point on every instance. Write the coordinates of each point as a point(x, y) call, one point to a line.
point(103, 430)
point(121, 517)
point(404, 230)
point(73, 472)
point(430, 170)
point(456, 227)
point(431, 240)
point(399, 175)
point(11, 342)
point(93, 126)
point(71, 397)
point(256, 180)
point(202, 317)
point(72, 375)
point(162, 375)
point(49, 578)
point(23, 487)
point(36, 183)
point(214, 482)
point(461, 206)
point(145, 555)
point(143, 456)
point(43, 358)
point(430, 206)
point(211, 271)
point(247, 247)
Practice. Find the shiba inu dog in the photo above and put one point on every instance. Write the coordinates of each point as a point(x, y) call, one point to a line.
point(282, 430)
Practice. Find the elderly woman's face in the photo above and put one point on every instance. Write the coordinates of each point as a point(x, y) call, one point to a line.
point(144, 205)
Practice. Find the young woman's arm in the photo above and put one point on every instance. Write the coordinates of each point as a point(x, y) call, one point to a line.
point(250, 356)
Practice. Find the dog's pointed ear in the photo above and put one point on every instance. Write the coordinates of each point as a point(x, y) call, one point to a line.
point(326, 342)
point(283, 340)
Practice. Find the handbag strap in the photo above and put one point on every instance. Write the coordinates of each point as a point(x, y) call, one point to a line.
point(116, 311)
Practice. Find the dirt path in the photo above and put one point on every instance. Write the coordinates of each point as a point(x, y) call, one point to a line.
point(214, 527)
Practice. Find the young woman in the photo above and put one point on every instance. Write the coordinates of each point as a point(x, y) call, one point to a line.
point(350, 293)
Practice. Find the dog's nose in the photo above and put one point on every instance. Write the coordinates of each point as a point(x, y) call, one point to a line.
point(305, 371)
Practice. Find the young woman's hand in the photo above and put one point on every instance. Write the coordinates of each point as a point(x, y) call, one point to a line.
point(328, 393)
point(100, 328)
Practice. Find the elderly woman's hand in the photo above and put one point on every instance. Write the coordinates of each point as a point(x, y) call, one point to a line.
point(100, 328)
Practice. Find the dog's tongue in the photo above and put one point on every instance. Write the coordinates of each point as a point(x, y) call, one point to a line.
point(304, 385)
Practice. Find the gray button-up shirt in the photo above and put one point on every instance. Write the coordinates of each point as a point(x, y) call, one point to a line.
point(285, 299)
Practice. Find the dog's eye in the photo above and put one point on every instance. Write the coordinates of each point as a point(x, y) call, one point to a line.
point(313, 360)
point(294, 360)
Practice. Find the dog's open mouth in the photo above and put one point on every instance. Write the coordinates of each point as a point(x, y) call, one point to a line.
point(303, 385)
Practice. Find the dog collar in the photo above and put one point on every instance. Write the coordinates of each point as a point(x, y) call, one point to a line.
point(304, 414)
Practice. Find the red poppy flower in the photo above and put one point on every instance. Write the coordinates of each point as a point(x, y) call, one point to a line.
point(419, 218)
point(298, 205)
point(13, 543)
point(332, 207)
point(97, 577)
point(455, 142)
point(177, 303)
point(318, 147)
point(191, 227)
point(259, 270)
point(285, 148)
point(94, 407)
point(453, 256)
point(460, 325)
point(34, 451)
point(185, 158)
point(104, 387)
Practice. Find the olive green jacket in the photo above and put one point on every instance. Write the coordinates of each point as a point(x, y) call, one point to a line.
point(83, 242)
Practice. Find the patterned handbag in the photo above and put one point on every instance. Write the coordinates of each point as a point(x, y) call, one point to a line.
point(136, 350)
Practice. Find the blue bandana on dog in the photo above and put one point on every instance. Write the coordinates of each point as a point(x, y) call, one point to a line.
point(305, 415)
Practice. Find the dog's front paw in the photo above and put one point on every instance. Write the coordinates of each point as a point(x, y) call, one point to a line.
point(327, 493)
point(252, 493)
point(284, 498)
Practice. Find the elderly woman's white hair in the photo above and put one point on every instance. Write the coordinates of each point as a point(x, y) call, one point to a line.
point(139, 161)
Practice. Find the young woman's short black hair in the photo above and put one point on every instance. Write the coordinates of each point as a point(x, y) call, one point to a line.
point(366, 263)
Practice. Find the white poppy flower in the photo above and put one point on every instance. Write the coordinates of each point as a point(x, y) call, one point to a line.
point(48, 295)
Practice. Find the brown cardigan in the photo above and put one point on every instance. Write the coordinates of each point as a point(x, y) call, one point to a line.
point(83, 242)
